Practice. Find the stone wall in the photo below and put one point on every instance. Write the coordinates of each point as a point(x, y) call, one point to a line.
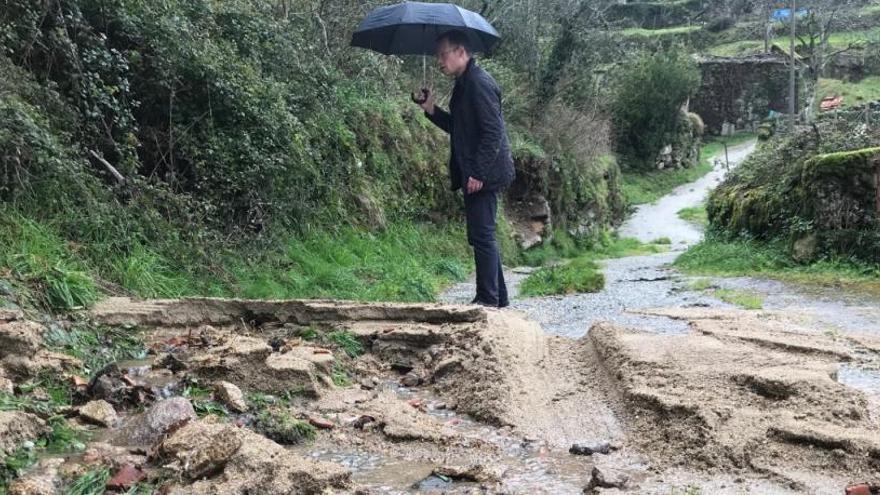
point(738, 93)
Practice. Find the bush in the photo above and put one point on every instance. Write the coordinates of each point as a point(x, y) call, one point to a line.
point(647, 104)
point(813, 191)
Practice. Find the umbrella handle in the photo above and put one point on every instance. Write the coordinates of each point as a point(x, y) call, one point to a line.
point(423, 96)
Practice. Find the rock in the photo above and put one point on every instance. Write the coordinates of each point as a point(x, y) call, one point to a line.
point(20, 338)
point(6, 385)
point(16, 427)
point(446, 366)
point(411, 379)
point(100, 453)
point(148, 427)
point(99, 412)
point(321, 423)
point(606, 478)
point(293, 372)
point(203, 449)
point(859, 489)
point(255, 465)
point(322, 358)
point(590, 449)
point(10, 314)
point(231, 396)
point(804, 249)
point(125, 478)
point(42, 480)
point(479, 473)
point(399, 420)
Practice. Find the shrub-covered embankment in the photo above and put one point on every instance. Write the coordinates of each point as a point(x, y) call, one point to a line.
point(816, 191)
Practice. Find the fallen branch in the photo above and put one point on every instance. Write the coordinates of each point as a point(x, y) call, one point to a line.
point(110, 168)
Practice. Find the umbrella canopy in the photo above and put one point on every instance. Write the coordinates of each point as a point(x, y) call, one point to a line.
point(412, 28)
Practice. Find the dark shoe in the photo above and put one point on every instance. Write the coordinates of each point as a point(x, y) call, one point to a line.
point(504, 304)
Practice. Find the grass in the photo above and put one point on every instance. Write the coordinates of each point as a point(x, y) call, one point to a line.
point(92, 482)
point(854, 93)
point(743, 258)
point(202, 401)
point(701, 284)
point(40, 258)
point(581, 273)
point(577, 276)
point(339, 375)
point(405, 262)
point(346, 341)
point(836, 40)
point(96, 346)
point(696, 215)
point(279, 425)
point(656, 33)
point(63, 439)
point(642, 188)
point(744, 299)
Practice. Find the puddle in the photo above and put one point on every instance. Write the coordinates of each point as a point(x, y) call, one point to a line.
point(864, 380)
point(530, 467)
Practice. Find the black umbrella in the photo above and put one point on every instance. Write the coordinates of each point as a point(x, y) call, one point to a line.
point(412, 28)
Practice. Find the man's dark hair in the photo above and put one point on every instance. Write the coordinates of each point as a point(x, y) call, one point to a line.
point(456, 38)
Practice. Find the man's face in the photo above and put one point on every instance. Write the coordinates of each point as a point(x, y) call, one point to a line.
point(451, 59)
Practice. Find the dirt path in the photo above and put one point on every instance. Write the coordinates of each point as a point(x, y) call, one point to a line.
point(644, 293)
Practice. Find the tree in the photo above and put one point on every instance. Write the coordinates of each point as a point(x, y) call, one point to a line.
point(648, 104)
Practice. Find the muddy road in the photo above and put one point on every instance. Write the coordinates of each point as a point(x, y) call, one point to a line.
point(648, 387)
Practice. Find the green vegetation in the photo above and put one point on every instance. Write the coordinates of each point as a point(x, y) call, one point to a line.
point(339, 375)
point(96, 346)
point(202, 400)
point(581, 273)
point(577, 276)
point(853, 93)
point(784, 192)
point(350, 264)
point(279, 425)
point(93, 482)
point(63, 439)
point(346, 341)
point(14, 465)
point(744, 299)
point(717, 256)
point(654, 33)
point(647, 102)
point(696, 215)
point(701, 284)
point(837, 40)
point(40, 258)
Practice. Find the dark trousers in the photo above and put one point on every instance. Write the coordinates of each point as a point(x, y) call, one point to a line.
point(480, 210)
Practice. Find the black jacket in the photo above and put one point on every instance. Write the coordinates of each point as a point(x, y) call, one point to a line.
point(477, 133)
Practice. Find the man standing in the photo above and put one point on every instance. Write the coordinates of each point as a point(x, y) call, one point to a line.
point(480, 163)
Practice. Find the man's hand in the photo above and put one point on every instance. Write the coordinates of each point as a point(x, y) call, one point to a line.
point(425, 99)
point(474, 185)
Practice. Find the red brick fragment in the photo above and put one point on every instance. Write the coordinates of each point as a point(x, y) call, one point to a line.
point(125, 478)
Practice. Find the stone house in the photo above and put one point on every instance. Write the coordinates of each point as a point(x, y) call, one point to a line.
point(737, 93)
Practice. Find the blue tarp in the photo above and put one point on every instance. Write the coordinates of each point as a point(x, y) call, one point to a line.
point(782, 15)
